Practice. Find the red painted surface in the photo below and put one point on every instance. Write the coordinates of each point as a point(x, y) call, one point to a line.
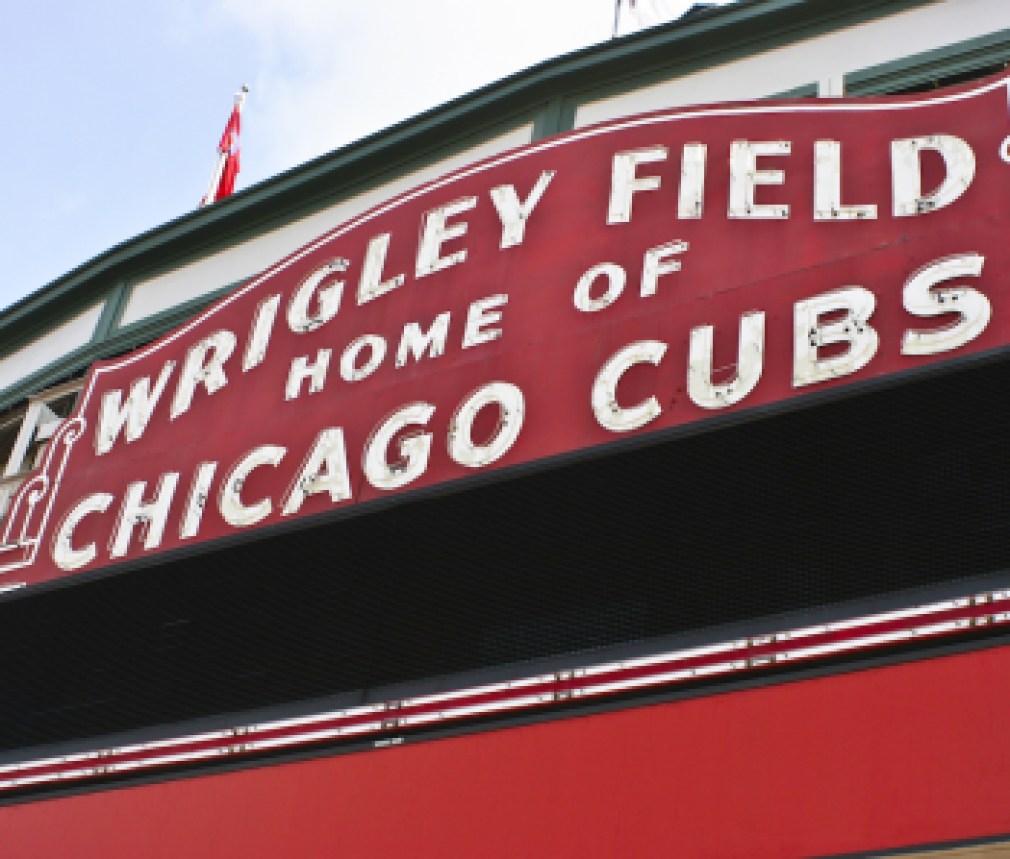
point(869, 760)
point(548, 348)
point(759, 654)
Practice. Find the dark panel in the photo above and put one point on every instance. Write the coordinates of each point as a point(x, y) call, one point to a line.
point(862, 496)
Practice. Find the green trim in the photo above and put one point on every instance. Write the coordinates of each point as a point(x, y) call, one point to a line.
point(146, 329)
point(557, 117)
point(112, 312)
point(803, 91)
point(918, 69)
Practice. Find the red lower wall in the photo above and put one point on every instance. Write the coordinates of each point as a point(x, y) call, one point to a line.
point(886, 757)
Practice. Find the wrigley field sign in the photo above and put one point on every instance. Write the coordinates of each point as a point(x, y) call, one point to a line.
point(619, 280)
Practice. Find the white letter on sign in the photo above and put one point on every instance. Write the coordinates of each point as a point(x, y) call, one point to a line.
point(828, 186)
point(134, 415)
point(436, 232)
point(513, 214)
point(229, 501)
point(750, 362)
point(259, 333)
point(299, 319)
point(482, 314)
point(196, 500)
point(691, 200)
point(744, 177)
point(65, 555)
point(199, 369)
point(350, 370)
point(324, 470)
point(149, 515)
point(371, 284)
point(301, 370)
point(657, 262)
point(616, 279)
point(416, 342)
point(609, 414)
point(511, 410)
point(906, 173)
point(809, 335)
point(414, 449)
point(921, 299)
point(624, 182)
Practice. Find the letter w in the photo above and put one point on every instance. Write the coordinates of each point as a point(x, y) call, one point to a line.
point(134, 415)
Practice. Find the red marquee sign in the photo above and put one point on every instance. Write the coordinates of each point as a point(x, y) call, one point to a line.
point(621, 279)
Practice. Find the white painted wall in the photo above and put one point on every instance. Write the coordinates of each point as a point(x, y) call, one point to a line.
point(250, 257)
point(941, 23)
point(51, 346)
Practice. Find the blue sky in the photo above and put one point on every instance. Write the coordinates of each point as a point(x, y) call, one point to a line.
point(113, 108)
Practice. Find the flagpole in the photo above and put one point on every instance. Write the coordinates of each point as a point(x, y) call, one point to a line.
point(222, 157)
point(617, 16)
point(215, 179)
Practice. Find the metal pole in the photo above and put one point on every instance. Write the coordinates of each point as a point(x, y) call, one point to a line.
point(215, 179)
point(617, 17)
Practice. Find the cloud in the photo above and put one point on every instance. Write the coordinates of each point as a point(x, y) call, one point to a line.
point(291, 31)
point(332, 72)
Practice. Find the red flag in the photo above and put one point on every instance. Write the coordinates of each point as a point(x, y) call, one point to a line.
point(229, 139)
point(222, 183)
point(228, 174)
